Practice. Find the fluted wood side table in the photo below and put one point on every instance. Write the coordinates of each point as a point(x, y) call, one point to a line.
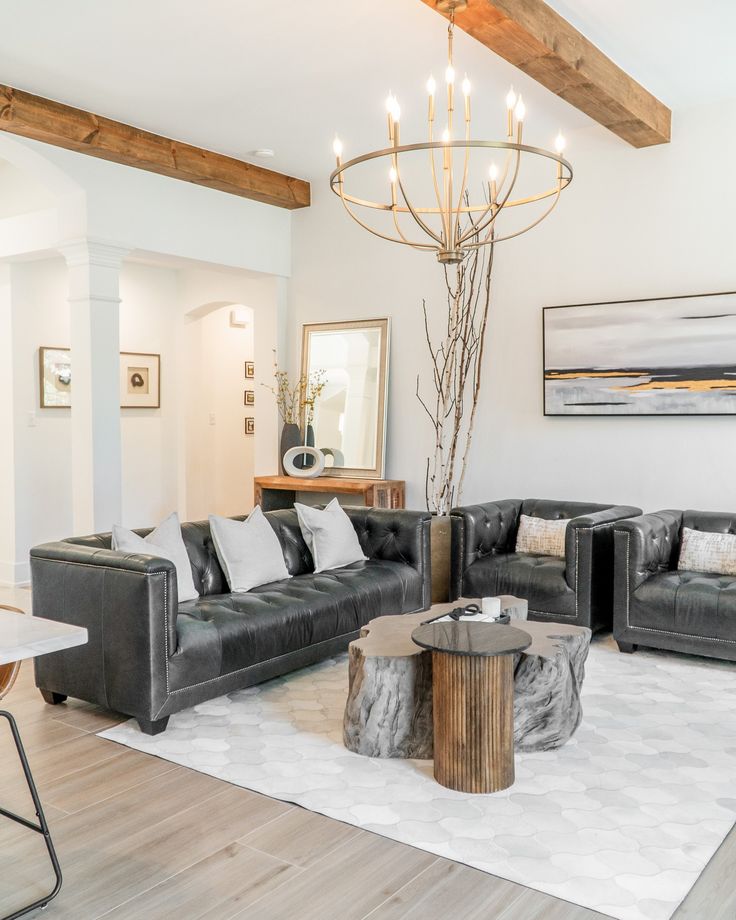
point(473, 702)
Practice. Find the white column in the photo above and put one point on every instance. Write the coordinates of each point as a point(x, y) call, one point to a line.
point(7, 427)
point(94, 299)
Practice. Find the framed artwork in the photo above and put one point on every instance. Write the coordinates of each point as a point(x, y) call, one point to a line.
point(658, 356)
point(249, 399)
point(250, 425)
point(250, 370)
point(55, 377)
point(140, 380)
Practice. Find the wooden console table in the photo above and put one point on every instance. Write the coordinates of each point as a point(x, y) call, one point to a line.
point(275, 492)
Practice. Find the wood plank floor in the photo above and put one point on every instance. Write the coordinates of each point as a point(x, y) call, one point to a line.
point(142, 839)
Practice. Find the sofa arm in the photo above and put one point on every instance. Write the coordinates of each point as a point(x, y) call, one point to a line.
point(478, 531)
point(589, 542)
point(397, 536)
point(128, 604)
point(645, 546)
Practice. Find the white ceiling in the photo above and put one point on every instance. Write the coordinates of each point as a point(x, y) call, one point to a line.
point(236, 75)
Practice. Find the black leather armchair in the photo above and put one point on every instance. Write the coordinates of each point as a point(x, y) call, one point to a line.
point(149, 656)
point(658, 606)
point(575, 589)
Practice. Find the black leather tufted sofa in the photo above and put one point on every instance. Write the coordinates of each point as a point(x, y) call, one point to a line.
point(658, 606)
point(149, 656)
point(575, 589)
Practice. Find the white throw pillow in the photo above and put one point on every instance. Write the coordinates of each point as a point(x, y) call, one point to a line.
point(541, 537)
point(165, 541)
point(330, 536)
point(249, 551)
point(702, 551)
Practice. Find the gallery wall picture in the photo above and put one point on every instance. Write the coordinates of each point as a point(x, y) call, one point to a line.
point(249, 399)
point(250, 370)
point(55, 377)
point(250, 425)
point(658, 356)
point(140, 380)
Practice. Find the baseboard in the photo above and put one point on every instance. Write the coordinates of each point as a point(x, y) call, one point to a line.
point(15, 574)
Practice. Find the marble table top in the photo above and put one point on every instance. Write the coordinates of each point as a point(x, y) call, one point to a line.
point(27, 636)
point(485, 640)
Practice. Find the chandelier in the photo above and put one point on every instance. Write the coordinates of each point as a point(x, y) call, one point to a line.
point(446, 220)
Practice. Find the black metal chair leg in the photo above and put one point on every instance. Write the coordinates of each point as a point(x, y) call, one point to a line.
point(41, 828)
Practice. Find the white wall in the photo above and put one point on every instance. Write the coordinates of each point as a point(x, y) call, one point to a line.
point(148, 315)
point(163, 215)
point(206, 297)
point(190, 247)
point(40, 316)
point(221, 453)
point(634, 223)
point(172, 458)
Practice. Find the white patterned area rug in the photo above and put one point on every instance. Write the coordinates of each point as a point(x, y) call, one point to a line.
point(623, 819)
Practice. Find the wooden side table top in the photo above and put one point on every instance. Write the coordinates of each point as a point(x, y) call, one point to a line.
point(279, 491)
point(325, 484)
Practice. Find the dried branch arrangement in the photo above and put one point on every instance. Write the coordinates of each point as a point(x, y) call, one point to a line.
point(291, 399)
point(457, 364)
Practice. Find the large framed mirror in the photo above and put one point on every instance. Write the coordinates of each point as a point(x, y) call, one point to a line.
point(350, 414)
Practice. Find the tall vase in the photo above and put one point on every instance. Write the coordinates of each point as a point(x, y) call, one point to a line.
point(440, 543)
point(290, 437)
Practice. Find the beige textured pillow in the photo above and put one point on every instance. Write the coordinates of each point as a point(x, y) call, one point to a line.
point(541, 537)
point(701, 551)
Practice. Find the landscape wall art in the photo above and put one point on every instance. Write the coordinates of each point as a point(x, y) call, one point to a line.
point(670, 356)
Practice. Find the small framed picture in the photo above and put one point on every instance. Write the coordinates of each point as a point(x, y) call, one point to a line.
point(55, 377)
point(140, 381)
point(249, 398)
point(250, 370)
point(250, 425)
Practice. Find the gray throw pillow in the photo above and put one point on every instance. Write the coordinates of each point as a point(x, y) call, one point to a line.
point(249, 551)
point(166, 542)
point(330, 536)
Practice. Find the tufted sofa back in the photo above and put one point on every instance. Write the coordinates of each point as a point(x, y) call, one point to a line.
point(395, 536)
point(208, 575)
point(710, 521)
point(551, 510)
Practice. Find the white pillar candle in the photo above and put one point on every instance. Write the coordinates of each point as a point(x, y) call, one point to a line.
point(491, 607)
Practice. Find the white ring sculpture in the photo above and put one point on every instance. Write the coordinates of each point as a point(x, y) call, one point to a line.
point(310, 472)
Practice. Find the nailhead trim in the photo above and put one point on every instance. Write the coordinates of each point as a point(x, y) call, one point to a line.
point(117, 568)
point(663, 632)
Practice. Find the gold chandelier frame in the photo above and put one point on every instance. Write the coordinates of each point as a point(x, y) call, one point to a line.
point(488, 211)
point(463, 225)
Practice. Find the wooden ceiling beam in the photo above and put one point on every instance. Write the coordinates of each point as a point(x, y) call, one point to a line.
point(533, 37)
point(62, 125)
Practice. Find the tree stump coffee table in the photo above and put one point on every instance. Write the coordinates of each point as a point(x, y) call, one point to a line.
point(473, 702)
point(389, 707)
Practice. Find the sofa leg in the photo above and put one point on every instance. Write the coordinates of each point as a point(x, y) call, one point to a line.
point(627, 647)
point(53, 699)
point(153, 728)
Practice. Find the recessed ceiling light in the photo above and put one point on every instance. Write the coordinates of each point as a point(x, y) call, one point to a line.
point(263, 153)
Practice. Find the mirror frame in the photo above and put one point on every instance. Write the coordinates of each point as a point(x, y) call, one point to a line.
point(376, 471)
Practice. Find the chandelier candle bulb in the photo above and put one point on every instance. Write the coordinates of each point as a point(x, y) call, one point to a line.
point(493, 175)
point(337, 149)
point(520, 110)
point(431, 88)
point(466, 93)
point(510, 104)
